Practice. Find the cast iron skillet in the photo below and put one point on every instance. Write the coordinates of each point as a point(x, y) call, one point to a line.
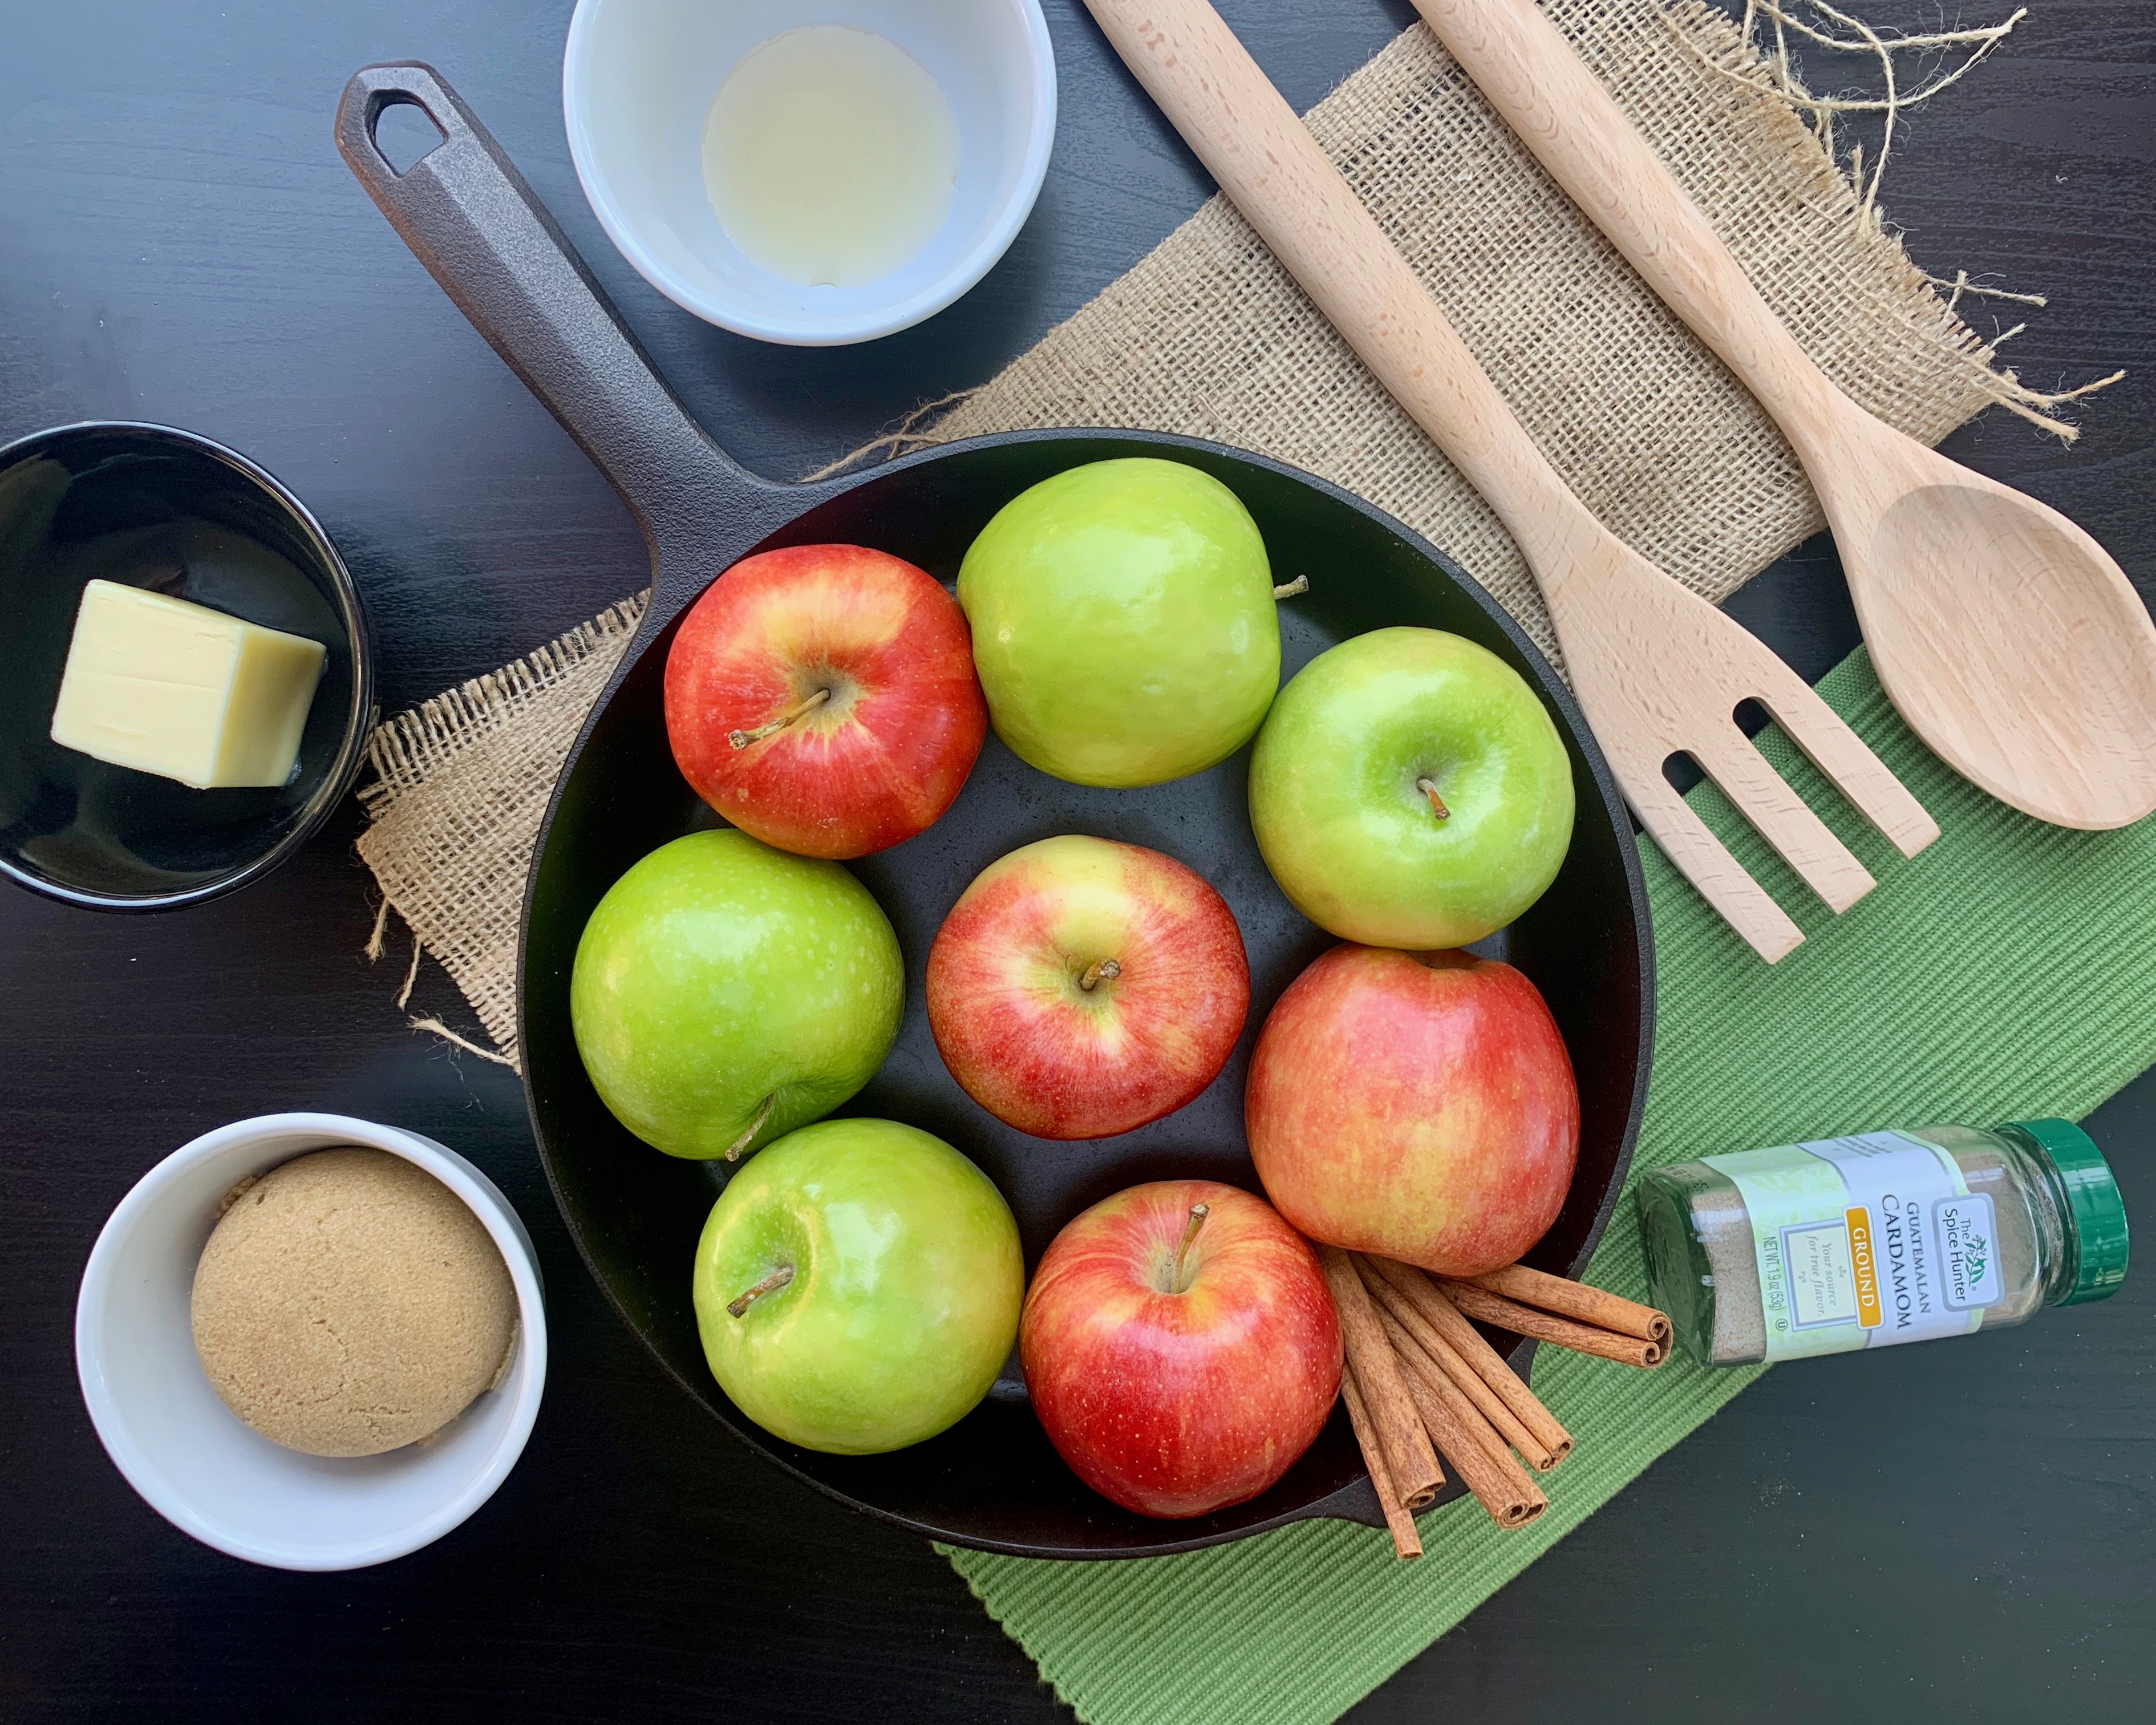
point(992, 1482)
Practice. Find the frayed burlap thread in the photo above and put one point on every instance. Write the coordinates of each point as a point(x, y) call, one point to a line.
point(458, 788)
point(1207, 335)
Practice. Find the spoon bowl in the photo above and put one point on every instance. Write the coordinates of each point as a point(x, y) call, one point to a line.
point(2009, 639)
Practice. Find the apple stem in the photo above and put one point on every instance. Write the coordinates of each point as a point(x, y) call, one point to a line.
point(771, 1284)
point(763, 1114)
point(1289, 589)
point(1102, 970)
point(1428, 787)
point(800, 709)
point(1199, 1213)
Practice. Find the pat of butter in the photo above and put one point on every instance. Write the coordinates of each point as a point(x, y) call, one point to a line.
point(164, 686)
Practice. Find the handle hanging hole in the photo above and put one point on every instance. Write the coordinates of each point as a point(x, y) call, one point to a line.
point(404, 134)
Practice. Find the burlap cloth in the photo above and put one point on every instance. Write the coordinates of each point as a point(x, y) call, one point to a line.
point(1207, 335)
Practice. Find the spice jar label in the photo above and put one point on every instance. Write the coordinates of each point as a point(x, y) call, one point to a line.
point(1967, 1248)
point(1865, 1242)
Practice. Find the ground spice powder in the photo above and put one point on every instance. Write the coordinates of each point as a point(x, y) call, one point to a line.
point(1880, 1238)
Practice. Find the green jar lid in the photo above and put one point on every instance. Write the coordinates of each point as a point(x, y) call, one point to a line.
point(2098, 1212)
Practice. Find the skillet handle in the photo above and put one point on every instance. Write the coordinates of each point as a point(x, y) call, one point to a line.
point(482, 233)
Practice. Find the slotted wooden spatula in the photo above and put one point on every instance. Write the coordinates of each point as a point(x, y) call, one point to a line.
point(1658, 671)
point(2009, 639)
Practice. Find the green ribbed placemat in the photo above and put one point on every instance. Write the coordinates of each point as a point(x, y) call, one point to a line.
point(2008, 972)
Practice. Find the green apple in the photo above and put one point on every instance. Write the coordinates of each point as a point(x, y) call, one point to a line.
point(857, 1287)
point(1124, 623)
point(726, 993)
point(1410, 790)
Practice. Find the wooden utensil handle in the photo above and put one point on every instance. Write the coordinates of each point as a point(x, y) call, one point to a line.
point(1227, 109)
point(1563, 113)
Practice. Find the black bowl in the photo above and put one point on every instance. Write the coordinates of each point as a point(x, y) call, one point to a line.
point(146, 506)
point(992, 1481)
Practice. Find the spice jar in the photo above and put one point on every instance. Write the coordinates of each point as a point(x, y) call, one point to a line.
point(1878, 1239)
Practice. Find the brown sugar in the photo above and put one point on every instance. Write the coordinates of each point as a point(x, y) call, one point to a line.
point(349, 1303)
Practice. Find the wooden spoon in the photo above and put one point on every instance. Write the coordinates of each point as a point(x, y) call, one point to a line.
point(1658, 671)
point(2009, 639)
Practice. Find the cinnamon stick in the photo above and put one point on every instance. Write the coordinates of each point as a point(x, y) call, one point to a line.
point(1484, 1360)
point(1409, 1460)
point(1479, 1302)
point(1592, 1306)
point(1407, 1540)
point(1535, 1450)
point(1469, 1442)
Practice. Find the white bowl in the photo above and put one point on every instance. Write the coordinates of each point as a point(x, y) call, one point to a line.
point(189, 1454)
point(637, 80)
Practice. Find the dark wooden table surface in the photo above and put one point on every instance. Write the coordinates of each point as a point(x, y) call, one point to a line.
point(1963, 1530)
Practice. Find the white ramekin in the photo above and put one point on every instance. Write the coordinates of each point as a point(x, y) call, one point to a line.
point(190, 1456)
point(638, 79)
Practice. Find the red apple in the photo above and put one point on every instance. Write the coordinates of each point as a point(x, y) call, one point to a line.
point(1081, 988)
point(822, 699)
point(1180, 1346)
point(1417, 1104)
